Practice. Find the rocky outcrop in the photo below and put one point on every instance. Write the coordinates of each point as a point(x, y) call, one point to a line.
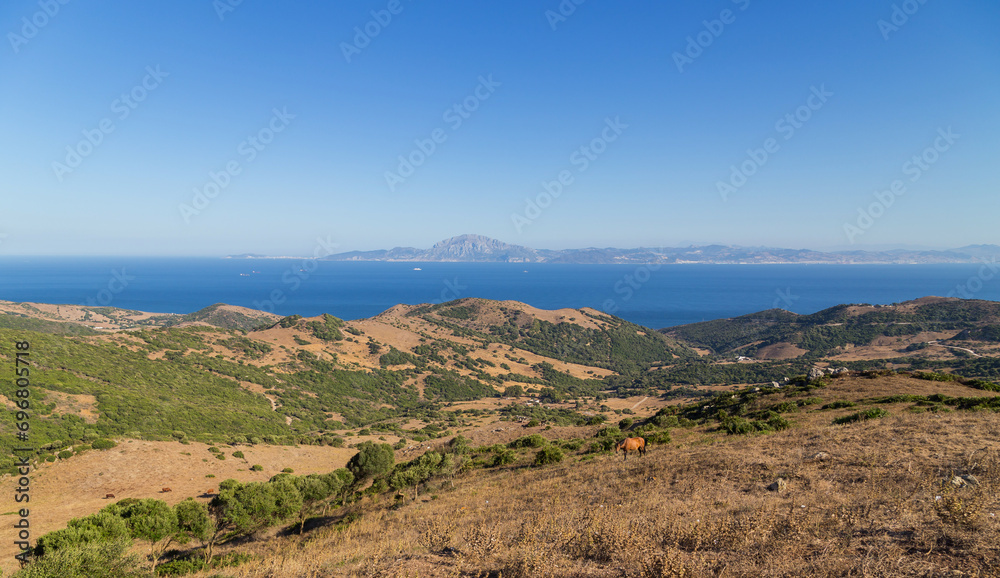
point(778, 485)
point(818, 372)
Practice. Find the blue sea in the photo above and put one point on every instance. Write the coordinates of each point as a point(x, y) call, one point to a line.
point(652, 296)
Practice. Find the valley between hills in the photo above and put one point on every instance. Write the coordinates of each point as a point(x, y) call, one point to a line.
point(478, 436)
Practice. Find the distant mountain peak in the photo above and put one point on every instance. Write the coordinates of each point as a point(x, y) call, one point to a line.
point(475, 248)
point(470, 238)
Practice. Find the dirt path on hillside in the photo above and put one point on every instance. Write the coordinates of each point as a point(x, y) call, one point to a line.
point(954, 347)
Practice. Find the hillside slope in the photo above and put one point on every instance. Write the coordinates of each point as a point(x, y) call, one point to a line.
point(910, 491)
point(923, 328)
point(498, 401)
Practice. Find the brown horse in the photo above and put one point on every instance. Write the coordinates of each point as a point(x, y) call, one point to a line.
point(631, 444)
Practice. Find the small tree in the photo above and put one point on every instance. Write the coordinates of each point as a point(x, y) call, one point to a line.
point(243, 509)
point(371, 460)
point(340, 482)
point(193, 521)
point(314, 490)
point(96, 528)
point(152, 521)
point(105, 559)
point(221, 510)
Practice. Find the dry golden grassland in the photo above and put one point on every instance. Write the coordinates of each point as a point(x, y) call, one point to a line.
point(77, 487)
point(874, 498)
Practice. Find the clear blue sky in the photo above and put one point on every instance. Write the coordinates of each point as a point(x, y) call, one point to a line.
point(200, 79)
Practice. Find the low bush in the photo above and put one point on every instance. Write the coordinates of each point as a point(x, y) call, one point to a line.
point(664, 421)
point(785, 407)
point(532, 441)
point(658, 437)
point(548, 455)
point(871, 413)
point(572, 444)
point(503, 458)
point(103, 444)
point(839, 404)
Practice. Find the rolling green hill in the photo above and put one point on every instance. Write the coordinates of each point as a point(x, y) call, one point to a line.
point(235, 375)
point(463, 408)
point(856, 325)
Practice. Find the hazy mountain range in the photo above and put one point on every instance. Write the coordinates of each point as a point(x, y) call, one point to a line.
point(477, 248)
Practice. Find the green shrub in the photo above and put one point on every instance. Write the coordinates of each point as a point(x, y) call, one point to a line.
point(664, 421)
point(396, 357)
point(785, 407)
point(548, 455)
point(609, 432)
point(572, 444)
point(238, 455)
point(256, 468)
point(180, 567)
point(65, 454)
point(459, 445)
point(603, 444)
point(106, 559)
point(776, 422)
point(503, 458)
point(99, 527)
point(901, 398)
point(839, 404)
point(288, 471)
point(532, 441)
point(983, 384)
point(103, 444)
point(533, 423)
point(371, 461)
point(660, 437)
point(870, 413)
point(737, 426)
point(740, 426)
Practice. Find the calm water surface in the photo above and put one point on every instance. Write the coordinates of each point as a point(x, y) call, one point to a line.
point(654, 297)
